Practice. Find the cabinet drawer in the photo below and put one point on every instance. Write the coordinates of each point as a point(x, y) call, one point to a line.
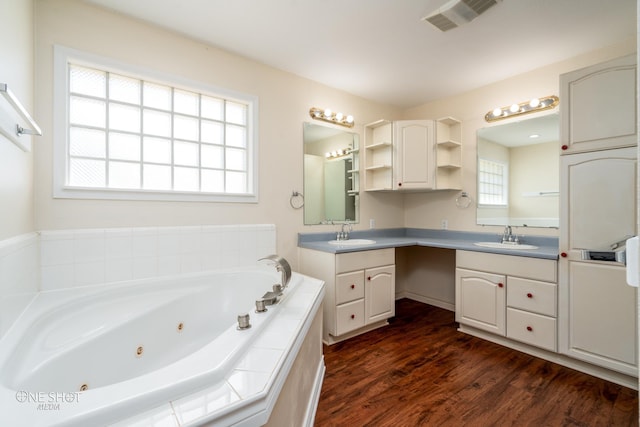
point(360, 260)
point(349, 287)
point(349, 316)
point(531, 295)
point(531, 328)
point(509, 265)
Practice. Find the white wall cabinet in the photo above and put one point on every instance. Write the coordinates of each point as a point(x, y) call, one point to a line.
point(598, 321)
point(598, 106)
point(359, 289)
point(413, 155)
point(508, 296)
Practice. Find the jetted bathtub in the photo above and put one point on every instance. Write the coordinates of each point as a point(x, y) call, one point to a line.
point(99, 355)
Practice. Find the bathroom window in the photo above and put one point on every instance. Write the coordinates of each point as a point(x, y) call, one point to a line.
point(125, 133)
point(492, 183)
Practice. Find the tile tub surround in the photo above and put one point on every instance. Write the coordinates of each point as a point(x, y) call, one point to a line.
point(448, 239)
point(89, 257)
point(51, 260)
point(19, 276)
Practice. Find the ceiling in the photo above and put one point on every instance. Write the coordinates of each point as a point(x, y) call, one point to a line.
point(381, 50)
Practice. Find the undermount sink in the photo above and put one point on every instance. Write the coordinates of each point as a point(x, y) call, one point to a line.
point(352, 242)
point(498, 245)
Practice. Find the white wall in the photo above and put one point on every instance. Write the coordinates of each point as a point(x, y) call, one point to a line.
point(284, 102)
point(16, 70)
point(427, 210)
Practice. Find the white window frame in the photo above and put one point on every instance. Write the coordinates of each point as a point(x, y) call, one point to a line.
point(63, 56)
point(504, 185)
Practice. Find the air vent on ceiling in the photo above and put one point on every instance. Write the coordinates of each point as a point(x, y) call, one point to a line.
point(457, 12)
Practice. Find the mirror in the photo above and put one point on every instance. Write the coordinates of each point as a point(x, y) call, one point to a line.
point(331, 182)
point(518, 173)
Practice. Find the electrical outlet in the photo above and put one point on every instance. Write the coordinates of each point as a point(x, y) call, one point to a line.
point(372, 223)
point(444, 224)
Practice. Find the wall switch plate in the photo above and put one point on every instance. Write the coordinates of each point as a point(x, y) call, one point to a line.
point(444, 224)
point(372, 223)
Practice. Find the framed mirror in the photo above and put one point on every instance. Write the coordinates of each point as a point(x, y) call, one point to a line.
point(331, 175)
point(518, 173)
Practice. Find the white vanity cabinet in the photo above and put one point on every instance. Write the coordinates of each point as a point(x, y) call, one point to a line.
point(598, 106)
point(359, 289)
point(508, 295)
point(413, 155)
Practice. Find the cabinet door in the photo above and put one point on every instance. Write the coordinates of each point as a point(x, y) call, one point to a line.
point(601, 319)
point(414, 155)
point(481, 300)
point(599, 106)
point(380, 290)
point(599, 202)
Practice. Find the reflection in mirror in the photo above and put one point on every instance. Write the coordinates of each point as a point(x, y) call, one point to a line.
point(331, 182)
point(518, 173)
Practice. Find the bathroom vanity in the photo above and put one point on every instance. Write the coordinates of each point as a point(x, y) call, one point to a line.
point(360, 289)
point(505, 295)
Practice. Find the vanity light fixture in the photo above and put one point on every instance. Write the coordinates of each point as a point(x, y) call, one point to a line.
point(338, 153)
point(327, 115)
point(532, 106)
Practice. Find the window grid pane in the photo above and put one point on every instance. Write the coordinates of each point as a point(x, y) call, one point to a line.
point(492, 179)
point(128, 133)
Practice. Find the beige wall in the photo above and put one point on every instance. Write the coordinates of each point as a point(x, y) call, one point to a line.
point(16, 70)
point(284, 102)
point(427, 210)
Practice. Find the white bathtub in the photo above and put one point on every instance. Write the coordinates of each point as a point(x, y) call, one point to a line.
point(99, 355)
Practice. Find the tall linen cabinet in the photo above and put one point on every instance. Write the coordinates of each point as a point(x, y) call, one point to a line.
point(598, 186)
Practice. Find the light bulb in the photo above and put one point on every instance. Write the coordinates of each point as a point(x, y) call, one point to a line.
point(339, 116)
point(534, 103)
point(349, 119)
point(497, 112)
point(514, 108)
point(327, 112)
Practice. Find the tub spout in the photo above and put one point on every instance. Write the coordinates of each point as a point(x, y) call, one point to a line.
point(282, 266)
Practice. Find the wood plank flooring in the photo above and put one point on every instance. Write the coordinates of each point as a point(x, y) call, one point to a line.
point(420, 371)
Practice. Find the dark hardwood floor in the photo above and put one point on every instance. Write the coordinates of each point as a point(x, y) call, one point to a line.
point(420, 371)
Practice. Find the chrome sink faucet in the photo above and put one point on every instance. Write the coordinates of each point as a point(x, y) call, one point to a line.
point(509, 237)
point(344, 235)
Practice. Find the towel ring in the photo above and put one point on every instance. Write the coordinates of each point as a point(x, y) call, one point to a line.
point(463, 200)
point(296, 200)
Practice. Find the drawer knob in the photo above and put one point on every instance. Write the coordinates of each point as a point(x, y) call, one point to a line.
point(399, 184)
point(353, 316)
point(529, 295)
point(501, 285)
point(565, 147)
point(353, 286)
point(529, 328)
point(369, 278)
point(563, 254)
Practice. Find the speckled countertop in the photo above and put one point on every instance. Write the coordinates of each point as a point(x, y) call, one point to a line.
point(397, 237)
